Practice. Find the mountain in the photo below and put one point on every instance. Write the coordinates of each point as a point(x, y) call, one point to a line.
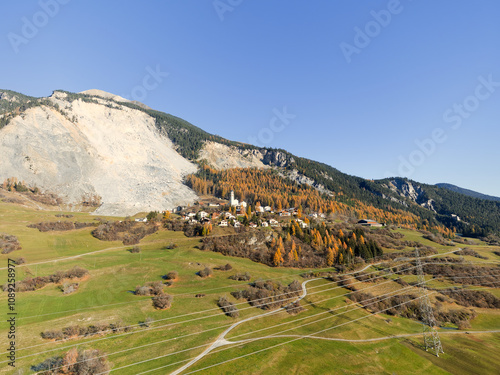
point(92, 147)
point(470, 193)
point(134, 159)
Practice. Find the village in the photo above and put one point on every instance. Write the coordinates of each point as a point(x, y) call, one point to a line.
point(237, 214)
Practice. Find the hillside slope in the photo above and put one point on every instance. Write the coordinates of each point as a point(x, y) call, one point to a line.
point(95, 148)
point(470, 193)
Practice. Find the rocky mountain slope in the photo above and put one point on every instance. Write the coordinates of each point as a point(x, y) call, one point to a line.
point(95, 148)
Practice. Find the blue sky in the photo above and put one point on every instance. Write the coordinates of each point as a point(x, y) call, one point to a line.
point(373, 88)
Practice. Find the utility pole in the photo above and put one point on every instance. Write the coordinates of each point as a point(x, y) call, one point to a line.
point(431, 336)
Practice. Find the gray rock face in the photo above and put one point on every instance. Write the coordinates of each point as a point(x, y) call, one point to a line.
point(223, 157)
point(407, 189)
point(277, 158)
point(113, 152)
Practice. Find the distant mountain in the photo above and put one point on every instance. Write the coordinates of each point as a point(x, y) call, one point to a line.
point(135, 159)
point(470, 193)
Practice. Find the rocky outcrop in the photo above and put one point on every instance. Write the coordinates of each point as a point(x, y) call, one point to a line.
point(275, 158)
point(412, 191)
point(98, 149)
point(221, 156)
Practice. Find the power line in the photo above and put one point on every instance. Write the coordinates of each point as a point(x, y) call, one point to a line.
point(249, 332)
point(329, 317)
point(431, 337)
point(219, 313)
point(241, 303)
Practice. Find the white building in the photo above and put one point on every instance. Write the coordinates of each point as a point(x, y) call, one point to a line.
point(223, 223)
point(232, 201)
point(265, 224)
point(273, 222)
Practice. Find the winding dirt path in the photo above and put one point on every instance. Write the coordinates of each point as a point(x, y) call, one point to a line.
point(221, 339)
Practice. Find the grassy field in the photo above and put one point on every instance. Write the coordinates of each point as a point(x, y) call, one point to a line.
point(184, 330)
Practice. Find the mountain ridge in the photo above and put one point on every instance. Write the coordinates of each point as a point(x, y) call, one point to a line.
point(194, 146)
point(471, 193)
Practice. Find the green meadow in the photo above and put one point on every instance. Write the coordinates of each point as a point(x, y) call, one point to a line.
point(191, 324)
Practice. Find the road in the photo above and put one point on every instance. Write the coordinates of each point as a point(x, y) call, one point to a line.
point(222, 341)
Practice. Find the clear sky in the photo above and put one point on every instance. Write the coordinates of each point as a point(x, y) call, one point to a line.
point(373, 88)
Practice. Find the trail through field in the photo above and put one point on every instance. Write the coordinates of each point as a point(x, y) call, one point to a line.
point(378, 338)
point(222, 341)
point(70, 257)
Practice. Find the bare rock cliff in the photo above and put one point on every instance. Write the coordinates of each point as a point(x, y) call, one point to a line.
point(101, 149)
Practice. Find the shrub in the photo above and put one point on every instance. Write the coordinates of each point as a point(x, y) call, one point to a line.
point(91, 362)
point(52, 335)
point(20, 260)
point(60, 226)
point(30, 284)
point(162, 301)
point(135, 249)
point(68, 288)
point(294, 308)
point(227, 267)
point(228, 307)
point(150, 289)
point(76, 272)
point(172, 275)
point(268, 295)
point(470, 252)
point(9, 243)
point(200, 295)
point(171, 246)
point(76, 362)
point(70, 331)
point(240, 276)
point(142, 291)
point(476, 298)
point(205, 272)
point(129, 232)
point(77, 331)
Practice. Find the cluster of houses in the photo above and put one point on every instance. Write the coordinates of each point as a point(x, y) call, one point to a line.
point(226, 219)
point(222, 218)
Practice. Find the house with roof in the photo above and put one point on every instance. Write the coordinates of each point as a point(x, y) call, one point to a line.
point(273, 222)
point(369, 223)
